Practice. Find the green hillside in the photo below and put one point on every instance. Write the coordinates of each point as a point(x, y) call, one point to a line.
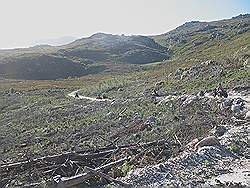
point(193, 41)
point(209, 40)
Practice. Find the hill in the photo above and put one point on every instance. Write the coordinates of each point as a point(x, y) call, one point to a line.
point(56, 41)
point(84, 56)
point(193, 41)
point(148, 124)
point(209, 40)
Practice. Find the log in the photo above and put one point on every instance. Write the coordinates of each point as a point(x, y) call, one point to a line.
point(177, 139)
point(106, 177)
point(80, 178)
point(60, 158)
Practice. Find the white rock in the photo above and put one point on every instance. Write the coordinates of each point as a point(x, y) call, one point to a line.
point(247, 115)
point(226, 104)
point(237, 108)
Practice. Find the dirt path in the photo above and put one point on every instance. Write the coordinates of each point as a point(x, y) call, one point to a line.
point(73, 94)
point(238, 175)
point(232, 95)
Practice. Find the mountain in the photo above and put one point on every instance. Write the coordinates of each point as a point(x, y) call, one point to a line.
point(126, 49)
point(39, 67)
point(208, 40)
point(192, 41)
point(56, 41)
point(81, 57)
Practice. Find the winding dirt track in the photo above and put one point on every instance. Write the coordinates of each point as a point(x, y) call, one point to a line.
point(73, 94)
point(232, 95)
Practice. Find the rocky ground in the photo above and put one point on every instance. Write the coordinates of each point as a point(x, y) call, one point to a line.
point(224, 164)
point(45, 118)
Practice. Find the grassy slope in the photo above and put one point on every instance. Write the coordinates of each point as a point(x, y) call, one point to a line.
point(217, 50)
point(213, 40)
point(218, 40)
point(84, 56)
point(37, 118)
point(41, 109)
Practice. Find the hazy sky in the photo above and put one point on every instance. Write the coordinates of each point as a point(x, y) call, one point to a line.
point(24, 21)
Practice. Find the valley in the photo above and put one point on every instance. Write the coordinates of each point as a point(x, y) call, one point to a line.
point(151, 93)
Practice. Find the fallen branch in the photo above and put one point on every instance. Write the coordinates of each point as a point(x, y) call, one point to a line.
point(74, 156)
point(106, 176)
point(80, 178)
point(58, 159)
point(176, 138)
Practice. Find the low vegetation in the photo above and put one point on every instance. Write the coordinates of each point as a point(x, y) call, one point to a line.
point(39, 118)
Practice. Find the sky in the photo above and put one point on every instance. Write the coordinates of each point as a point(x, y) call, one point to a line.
point(22, 22)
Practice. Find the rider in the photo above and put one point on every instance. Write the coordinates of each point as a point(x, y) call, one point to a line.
point(99, 96)
point(214, 92)
point(221, 91)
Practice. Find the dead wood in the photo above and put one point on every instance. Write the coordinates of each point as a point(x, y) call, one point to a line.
point(106, 176)
point(74, 156)
point(66, 166)
point(80, 178)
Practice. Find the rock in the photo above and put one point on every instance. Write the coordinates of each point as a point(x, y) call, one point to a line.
point(208, 141)
point(193, 71)
point(247, 116)
point(110, 115)
point(242, 30)
point(239, 101)
point(201, 93)
point(226, 104)
point(178, 72)
point(219, 130)
point(191, 145)
point(151, 120)
point(186, 170)
point(237, 108)
point(217, 35)
point(158, 84)
point(209, 62)
point(197, 43)
point(11, 91)
point(137, 117)
point(247, 62)
point(137, 136)
point(184, 75)
point(191, 99)
point(182, 98)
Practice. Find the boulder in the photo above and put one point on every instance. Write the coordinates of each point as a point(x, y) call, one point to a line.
point(209, 62)
point(201, 93)
point(191, 99)
point(184, 74)
point(247, 116)
point(247, 62)
point(191, 145)
point(208, 141)
point(226, 104)
point(178, 72)
point(219, 130)
point(239, 101)
point(242, 30)
point(151, 120)
point(159, 84)
point(237, 108)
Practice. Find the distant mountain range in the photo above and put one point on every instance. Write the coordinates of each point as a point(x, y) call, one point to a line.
point(55, 41)
point(191, 41)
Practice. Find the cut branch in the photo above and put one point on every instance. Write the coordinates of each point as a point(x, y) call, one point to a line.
point(80, 178)
point(106, 176)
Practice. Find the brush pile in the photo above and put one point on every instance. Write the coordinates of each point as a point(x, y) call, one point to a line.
point(88, 167)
